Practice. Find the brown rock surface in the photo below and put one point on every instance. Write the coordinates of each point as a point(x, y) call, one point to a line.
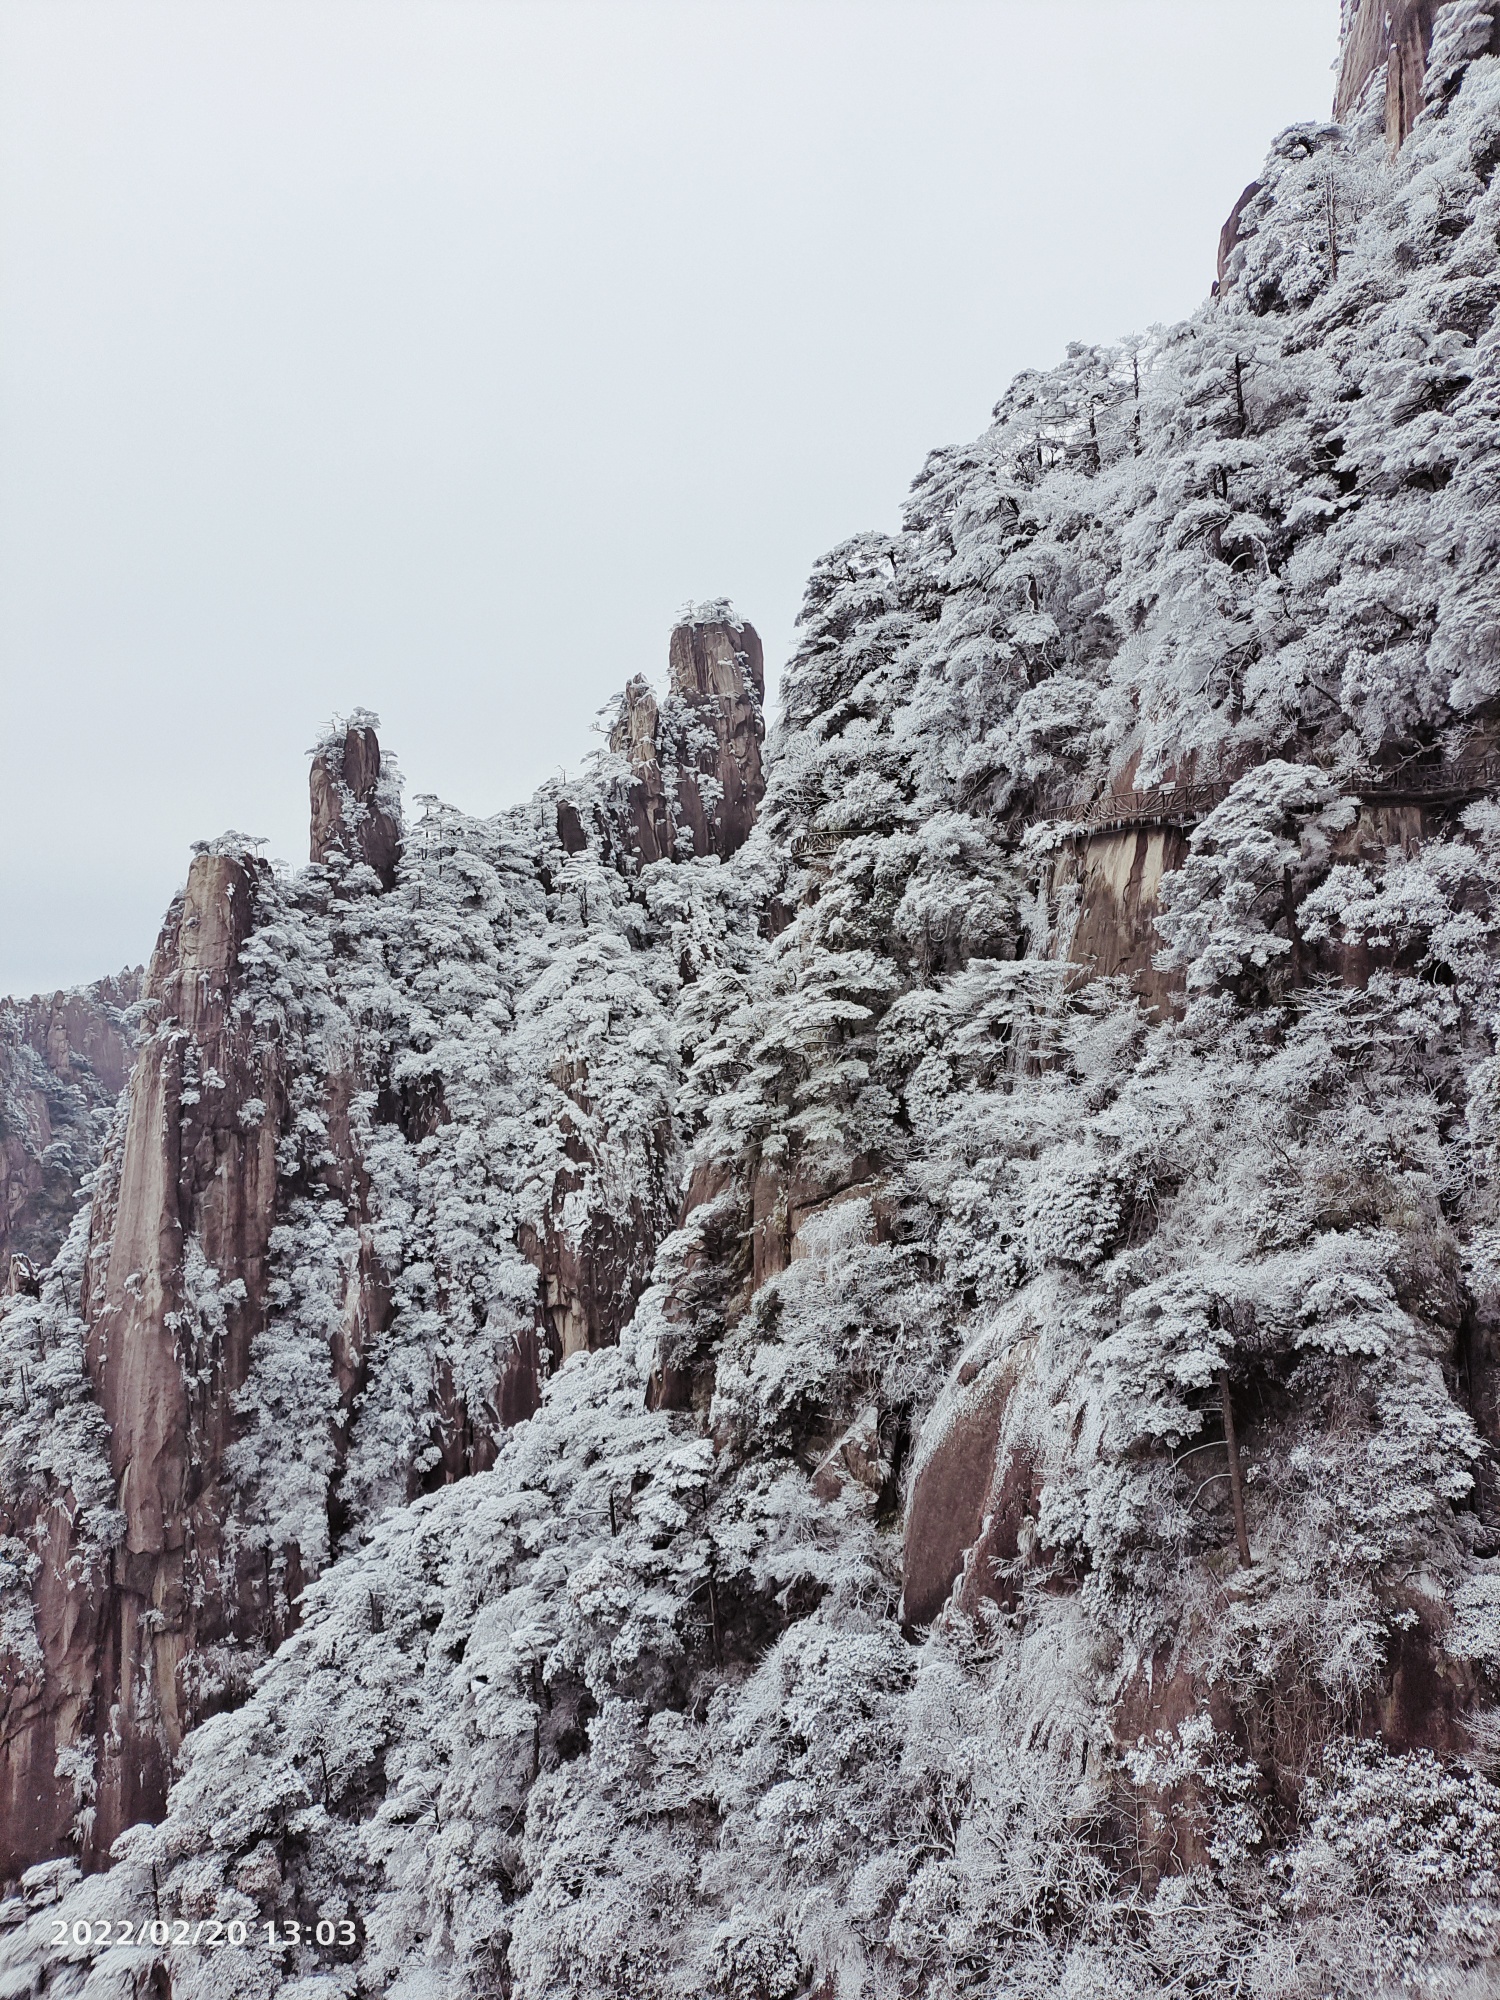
point(1230, 234)
point(1116, 878)
point(192, 1170)
point(353, 815)
point(47, 1708)
point(718, 669)
point(1396, 34)
point(192, 1203)
point(696, 778)
point(963, 1490)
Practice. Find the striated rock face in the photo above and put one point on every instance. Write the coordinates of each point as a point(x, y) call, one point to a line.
point(718, 670)
point(196, 1194)
point(696, 779)
point(1394, 35)
point(951, 1510)
point(190, 1197)
point(140, 1637)
point(1112, 886)
point(64, 1059)
point(1397, 37)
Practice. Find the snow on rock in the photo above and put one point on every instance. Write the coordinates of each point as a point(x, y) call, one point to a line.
point(400, 1140)
point(1002, 1260)
point(356, 800)
point(64, 1058)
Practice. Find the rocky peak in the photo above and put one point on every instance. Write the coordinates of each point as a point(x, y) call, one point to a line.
point(356, 813)
point(188, 1189)
point(718, 669)
point(197, 1174)
point(696, 779)
point(634, 734)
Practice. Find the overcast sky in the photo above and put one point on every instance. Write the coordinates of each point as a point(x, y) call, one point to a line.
point(428, 356)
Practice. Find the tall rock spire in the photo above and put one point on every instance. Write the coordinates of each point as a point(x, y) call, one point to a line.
point(355, 802)
point(695, 760)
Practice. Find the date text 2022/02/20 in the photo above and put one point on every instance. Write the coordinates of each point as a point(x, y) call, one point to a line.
point(209, 1934)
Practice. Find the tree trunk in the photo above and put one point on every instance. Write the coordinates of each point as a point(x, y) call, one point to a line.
point(1237, 1491)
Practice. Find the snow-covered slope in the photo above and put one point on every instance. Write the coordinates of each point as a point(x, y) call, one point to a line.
point(1037, 1532)
point(393, 1149)
point(63, 1061)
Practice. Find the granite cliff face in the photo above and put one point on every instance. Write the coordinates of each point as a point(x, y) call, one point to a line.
point(998, 1261)
point(187, 1184)
point(1394, 39)
point(695, 761)
point(1386, 49)
point(149, 1623)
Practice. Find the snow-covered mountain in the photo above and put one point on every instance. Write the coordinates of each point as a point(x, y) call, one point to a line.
point(872, 1370)
point(64, 1058)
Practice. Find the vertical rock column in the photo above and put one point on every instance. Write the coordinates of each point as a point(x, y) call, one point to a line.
point(199, 1167)
point(694, 788)
point(194, 1207)
point(355, 817)
point(695, 760)
point(718, 670)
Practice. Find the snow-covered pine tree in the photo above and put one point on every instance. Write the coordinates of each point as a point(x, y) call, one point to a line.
point(1073, 1105)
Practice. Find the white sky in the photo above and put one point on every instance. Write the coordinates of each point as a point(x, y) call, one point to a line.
point(429, 355)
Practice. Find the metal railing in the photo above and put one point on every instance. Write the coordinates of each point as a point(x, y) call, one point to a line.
point(1159, 805)
point(1186, 805)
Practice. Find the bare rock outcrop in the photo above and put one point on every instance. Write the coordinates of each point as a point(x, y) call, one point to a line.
point(140, 1636)
point(356, 811)
point(696, 779)
point(194, 1201)
point(1115, 880)
point(190, 1195)
point(1396, 37)
point(1378, 34)
point(964, 1510)
point(1229, 235)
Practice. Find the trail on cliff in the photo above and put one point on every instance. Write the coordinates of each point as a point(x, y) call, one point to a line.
point(889, 1389)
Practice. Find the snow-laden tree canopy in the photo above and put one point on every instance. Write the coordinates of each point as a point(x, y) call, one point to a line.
point(911, 1216)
